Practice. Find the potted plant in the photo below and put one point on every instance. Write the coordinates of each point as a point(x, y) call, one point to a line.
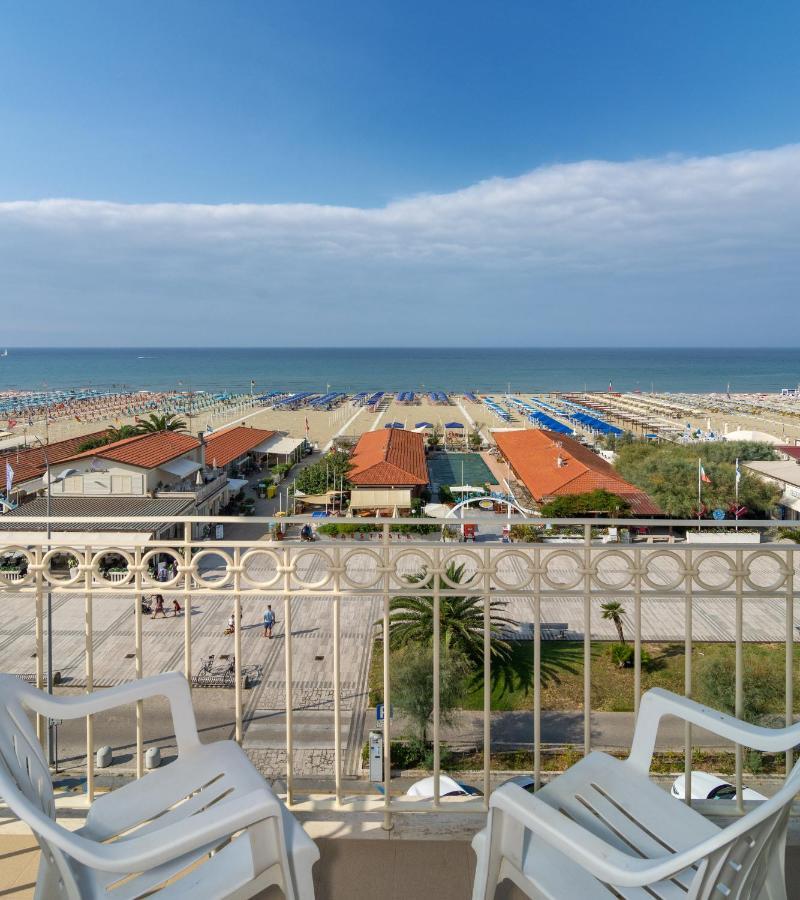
point(72, 565)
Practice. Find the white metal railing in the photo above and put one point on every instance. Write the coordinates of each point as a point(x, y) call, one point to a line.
point(588, 572)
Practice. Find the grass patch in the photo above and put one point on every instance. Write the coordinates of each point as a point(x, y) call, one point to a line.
point(612, 687)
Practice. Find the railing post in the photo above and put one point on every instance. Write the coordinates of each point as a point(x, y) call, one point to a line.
point(337, 674)
point(637, 637)
point(287, 611)
point(487, 673)
point(789, 651)
point(237, 642)
point(687, 674)
point(89, 640)
point(387, 698)
point(537, 670)
point(437, 672)
point(41, 724)
point(739, 698)
point(187, 603)
point(587, 640)
point(138, 660)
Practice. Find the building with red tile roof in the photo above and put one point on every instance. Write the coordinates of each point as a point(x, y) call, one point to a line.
point(791, 451)
point(144, 451)
point(553, 465)
point(223, 447)
point(29, 464)
point(391, 457)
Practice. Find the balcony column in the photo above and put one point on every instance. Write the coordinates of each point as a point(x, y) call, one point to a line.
point(789, 563)
point(89, 638)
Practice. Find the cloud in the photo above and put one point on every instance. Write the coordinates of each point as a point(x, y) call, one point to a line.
point(576, 253)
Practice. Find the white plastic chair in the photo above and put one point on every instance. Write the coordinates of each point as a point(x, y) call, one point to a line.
point(603, 829)
point(204, 826)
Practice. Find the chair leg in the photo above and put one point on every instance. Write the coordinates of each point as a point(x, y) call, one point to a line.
point(487, 866)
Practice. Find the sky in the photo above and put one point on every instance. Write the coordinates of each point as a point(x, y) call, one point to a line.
point(538, 173)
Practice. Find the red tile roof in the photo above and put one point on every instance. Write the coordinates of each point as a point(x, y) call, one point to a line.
point(792, 450)
point(225, 446)
point(534, 455)
point(29, 463)
point(147, 451)
point(391, 457)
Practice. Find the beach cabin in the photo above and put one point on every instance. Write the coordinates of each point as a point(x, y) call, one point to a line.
point(388, 469)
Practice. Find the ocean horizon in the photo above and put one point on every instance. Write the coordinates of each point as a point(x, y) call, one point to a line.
point(524, 369)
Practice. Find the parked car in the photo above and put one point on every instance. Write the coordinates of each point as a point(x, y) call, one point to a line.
point(709, 787)
point(526, 782)
point(448, 787)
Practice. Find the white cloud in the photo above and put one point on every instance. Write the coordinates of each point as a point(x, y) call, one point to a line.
point(564, 249)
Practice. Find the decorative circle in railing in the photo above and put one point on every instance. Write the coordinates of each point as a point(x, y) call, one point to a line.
point(312, 569)
point(607, 564)
point(16, 559)
point(115, 576)
point(156, 557)
point(512, 562)
point(573, 572)
point(665, 570)
point(409, 564)
point(70, 559)
point(471, 561)
point(223, 575)
point(261, 568)
point(361, 568)
point(763, 565)
point(715, 570)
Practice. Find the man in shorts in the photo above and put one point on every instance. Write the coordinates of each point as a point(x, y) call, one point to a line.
point(269, 621)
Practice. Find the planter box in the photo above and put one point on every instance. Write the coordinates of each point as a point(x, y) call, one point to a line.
point(728, 537)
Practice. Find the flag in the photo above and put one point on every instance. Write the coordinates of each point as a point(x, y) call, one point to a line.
point(738, 474)
point(703, 477)
point(308, 427)
point(9, 478)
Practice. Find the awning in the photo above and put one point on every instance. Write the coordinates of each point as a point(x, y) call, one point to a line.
point(380, 499)
point(181, 467)
point(466, 489)
point(236, 484)
point(454, 425)
point(422, 425)
point(280, 444)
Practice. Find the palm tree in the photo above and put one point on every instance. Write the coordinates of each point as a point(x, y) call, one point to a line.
point(160, 422)
point(460, 618)
point(435, 438)
point(613, 611)
point(120, 433)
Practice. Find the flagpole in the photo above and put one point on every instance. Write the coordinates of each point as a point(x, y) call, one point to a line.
point(699, 488)
point(736, 488)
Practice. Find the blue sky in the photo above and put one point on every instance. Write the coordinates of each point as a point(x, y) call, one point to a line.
point(283, 120)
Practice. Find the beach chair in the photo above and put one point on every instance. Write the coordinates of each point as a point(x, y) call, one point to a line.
point(603, 829)
point(204, 826)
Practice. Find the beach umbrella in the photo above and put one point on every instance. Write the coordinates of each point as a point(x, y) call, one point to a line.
point(454, 425)
point(424, 425)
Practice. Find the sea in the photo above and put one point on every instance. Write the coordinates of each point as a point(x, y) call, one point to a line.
point(521, 369)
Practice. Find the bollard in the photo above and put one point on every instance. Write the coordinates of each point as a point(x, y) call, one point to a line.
point(152, 758)
point(104, 757)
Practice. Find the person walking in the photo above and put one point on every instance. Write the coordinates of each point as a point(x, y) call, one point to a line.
point(176, 607)
point(159, 607)
point(269, 621)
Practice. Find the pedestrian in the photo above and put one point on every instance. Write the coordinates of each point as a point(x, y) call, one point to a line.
point(269, 621)
point(176, 607)
point(159, 607)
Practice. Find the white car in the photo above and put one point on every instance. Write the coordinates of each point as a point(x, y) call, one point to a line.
point(448, 787)
point(709, 787)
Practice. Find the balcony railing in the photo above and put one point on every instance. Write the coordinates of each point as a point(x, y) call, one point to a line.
point(201, 491)
point(754, 585)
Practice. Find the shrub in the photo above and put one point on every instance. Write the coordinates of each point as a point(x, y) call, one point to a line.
point(445, 494)
point(623, 656)
point(762, 683)
point(527, 534)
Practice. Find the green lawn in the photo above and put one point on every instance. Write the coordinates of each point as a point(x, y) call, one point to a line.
point(612, 688)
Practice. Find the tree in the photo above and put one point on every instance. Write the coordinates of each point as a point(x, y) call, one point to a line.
point(613, 611)
point(412, 685)
point(589, 503)
point(112, 434)
point(668, 473)
point(475, 439)
point(160, 422)
point(325, 474)
point(435, 438)
point(460, 618)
